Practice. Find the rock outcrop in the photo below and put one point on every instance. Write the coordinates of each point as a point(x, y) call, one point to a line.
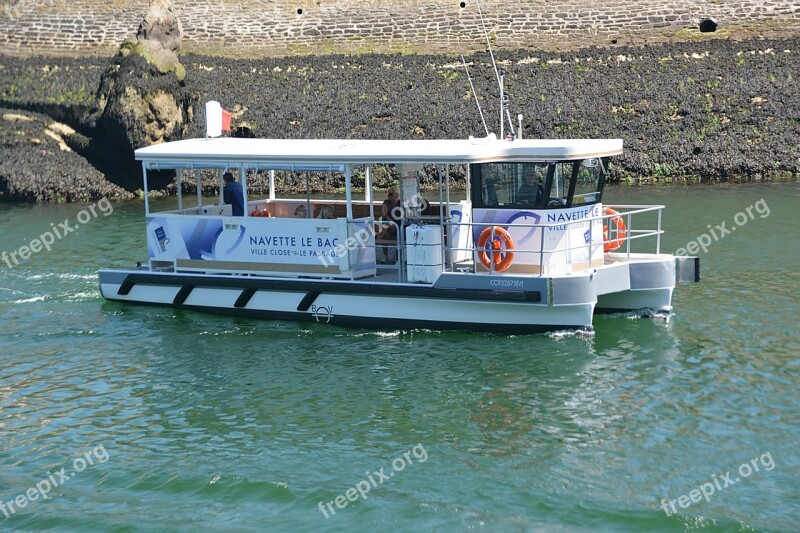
point(142, 99)
point(38, 165)
point(158, 39)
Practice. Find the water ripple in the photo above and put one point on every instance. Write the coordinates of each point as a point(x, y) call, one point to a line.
point(231, 424)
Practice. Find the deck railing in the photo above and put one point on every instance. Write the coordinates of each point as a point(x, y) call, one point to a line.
point(626, 212)
point(630, 214)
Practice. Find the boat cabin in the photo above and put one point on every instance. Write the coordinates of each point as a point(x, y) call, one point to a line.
point(531, 207)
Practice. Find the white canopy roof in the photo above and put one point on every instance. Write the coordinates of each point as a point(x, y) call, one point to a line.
point(280, 153)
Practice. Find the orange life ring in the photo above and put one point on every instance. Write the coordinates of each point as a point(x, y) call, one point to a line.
point(261, 212)
point(502, 244)
point(622, 231)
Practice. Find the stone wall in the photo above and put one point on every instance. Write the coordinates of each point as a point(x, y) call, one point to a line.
point(279, 27)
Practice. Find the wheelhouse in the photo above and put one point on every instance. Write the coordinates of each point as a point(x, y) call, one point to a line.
point(539, 185)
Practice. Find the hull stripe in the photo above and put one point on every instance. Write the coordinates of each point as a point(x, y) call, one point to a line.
point(125, 288)
point(244, 298)
point(307, 300)
point(184, 293)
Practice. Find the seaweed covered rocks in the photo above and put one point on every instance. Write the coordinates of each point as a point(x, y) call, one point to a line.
point(38, 164)
point(703, 111)
point(142, 99)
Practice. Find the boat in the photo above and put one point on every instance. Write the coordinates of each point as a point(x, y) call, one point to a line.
point(529, 246)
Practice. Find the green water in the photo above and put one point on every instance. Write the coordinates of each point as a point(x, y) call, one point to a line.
point(208, 422)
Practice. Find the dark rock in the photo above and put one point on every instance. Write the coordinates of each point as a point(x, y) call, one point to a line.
point(39, 166)
point(138, 106)
point(142, 99)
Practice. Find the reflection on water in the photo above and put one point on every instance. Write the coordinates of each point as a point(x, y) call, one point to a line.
point(233, 423)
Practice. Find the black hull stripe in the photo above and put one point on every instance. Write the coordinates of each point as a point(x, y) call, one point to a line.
point(244, 298)
point(308, 299)
point(125, 288)
point(184, 293)
point(361, 288)
point(369, 322)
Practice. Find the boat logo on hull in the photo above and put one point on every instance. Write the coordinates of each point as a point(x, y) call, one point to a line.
point(322, 314)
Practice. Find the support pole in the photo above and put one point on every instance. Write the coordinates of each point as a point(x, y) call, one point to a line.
point(348, 191)
point(658, 234)
point(180, 191)
point(447, 177)
point(243, 174)
point(469, 185)
point(441, 210)
point(368, 191)
point(271, 184)
point(441, 193)
point(199, 182)
point(144, 188)
point(309, 211)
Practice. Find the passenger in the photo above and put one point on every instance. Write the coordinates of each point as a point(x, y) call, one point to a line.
point(532, 190)
point(232, 194)
point(392, 216)
point(391, 213)
point(326, 211)
point(301, 211)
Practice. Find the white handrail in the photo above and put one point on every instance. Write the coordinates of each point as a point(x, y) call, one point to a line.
point(631, 234)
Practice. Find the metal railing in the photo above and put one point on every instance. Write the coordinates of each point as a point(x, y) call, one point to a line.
point(626, 212)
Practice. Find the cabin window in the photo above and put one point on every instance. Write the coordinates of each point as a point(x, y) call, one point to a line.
point(559, 189)
point(589, 182)
point(510, 184)
point(538, 185)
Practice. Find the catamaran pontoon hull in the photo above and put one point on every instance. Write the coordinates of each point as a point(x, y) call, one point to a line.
point(507, 304)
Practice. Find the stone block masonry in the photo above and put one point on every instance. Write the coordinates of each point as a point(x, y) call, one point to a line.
point(284, 27)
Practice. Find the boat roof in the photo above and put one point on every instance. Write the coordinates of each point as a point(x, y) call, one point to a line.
point(198, 153)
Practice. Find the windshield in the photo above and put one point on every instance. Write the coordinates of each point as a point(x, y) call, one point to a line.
point(537, 185)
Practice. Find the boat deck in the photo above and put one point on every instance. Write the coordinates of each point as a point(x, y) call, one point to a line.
point(386, 274)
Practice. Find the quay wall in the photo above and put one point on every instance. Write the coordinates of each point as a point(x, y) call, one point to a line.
point(236, 28)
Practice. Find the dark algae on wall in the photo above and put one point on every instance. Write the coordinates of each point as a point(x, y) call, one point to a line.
point(703, 111)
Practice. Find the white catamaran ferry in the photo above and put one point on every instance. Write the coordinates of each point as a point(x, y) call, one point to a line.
point(530, 247)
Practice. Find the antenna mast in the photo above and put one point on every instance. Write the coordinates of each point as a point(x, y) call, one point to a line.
point(504, 98)
point(505, 101)
point(480, 111)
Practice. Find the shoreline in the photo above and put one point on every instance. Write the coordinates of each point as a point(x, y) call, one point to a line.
point(161, 195)
point(712, 111)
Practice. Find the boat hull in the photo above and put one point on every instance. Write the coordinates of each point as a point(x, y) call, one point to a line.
point(369, 305)
point(496, 303)
point(654, 300)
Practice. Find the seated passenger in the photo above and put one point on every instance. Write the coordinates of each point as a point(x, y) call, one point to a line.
point(232, 194)
point(392, 216)
point(326, 211)
point(532, 190)
point(301, 211)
